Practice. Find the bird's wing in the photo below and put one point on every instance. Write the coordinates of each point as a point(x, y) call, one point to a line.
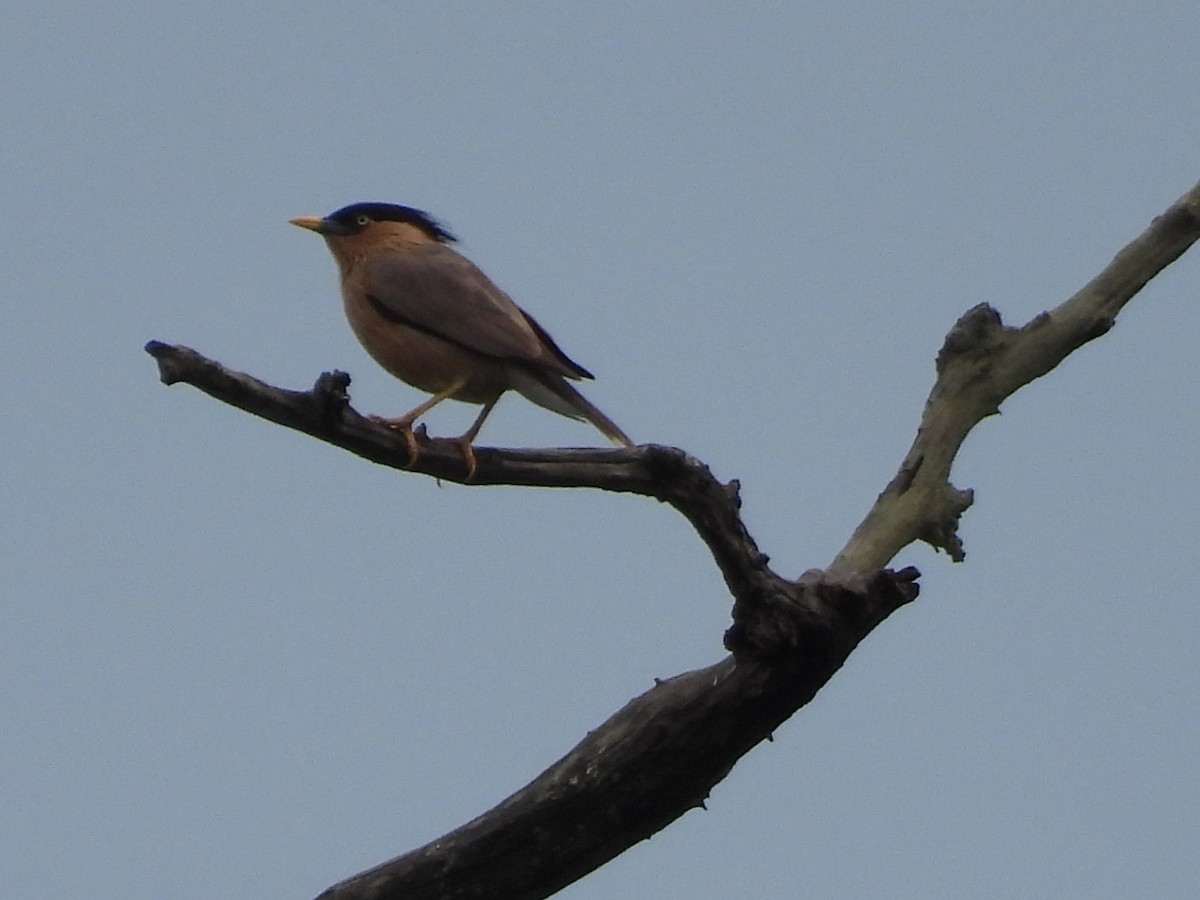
point(434, 288)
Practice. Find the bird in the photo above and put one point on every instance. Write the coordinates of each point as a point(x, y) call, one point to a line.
point(433, 319)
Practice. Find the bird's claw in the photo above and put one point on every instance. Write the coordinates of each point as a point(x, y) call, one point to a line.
point(414, 449)
point(405, 428)
point(468, 453)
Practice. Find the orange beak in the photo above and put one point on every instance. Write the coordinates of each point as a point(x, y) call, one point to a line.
point(312, 223)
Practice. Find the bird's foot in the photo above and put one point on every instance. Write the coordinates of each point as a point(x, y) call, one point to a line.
point(404, 425)
point(468, 453)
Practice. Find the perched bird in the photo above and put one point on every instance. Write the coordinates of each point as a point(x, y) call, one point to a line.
point(430, 317)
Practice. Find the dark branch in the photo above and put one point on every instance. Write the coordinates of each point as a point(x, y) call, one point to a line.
point(652, 761)
point(664, 473)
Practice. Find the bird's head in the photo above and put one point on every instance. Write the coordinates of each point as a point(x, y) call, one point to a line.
point(355, 227)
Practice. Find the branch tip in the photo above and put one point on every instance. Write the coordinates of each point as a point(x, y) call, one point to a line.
point(170, 370)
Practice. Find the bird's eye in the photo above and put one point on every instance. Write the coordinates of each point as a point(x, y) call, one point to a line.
point(362, 220)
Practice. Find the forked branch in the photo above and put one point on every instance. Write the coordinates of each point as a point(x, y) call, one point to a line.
point(661, 754)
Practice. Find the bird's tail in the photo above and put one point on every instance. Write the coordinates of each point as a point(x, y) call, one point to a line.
point(555, 393)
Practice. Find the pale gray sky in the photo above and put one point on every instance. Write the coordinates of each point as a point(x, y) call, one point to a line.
point(237, 663)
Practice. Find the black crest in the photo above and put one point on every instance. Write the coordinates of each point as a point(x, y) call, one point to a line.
point(351, 218)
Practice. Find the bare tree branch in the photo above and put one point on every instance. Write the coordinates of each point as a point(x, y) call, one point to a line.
point(664, 473)
point(661, 754)
point(982, 363)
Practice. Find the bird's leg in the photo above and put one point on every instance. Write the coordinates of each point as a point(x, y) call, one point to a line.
point(468, 437)
point(404, 423)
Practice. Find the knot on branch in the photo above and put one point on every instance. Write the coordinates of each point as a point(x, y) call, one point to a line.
point(331, 397)
point(940, 529)
point(670, 465)
point(973, 333)
point(816, 620)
